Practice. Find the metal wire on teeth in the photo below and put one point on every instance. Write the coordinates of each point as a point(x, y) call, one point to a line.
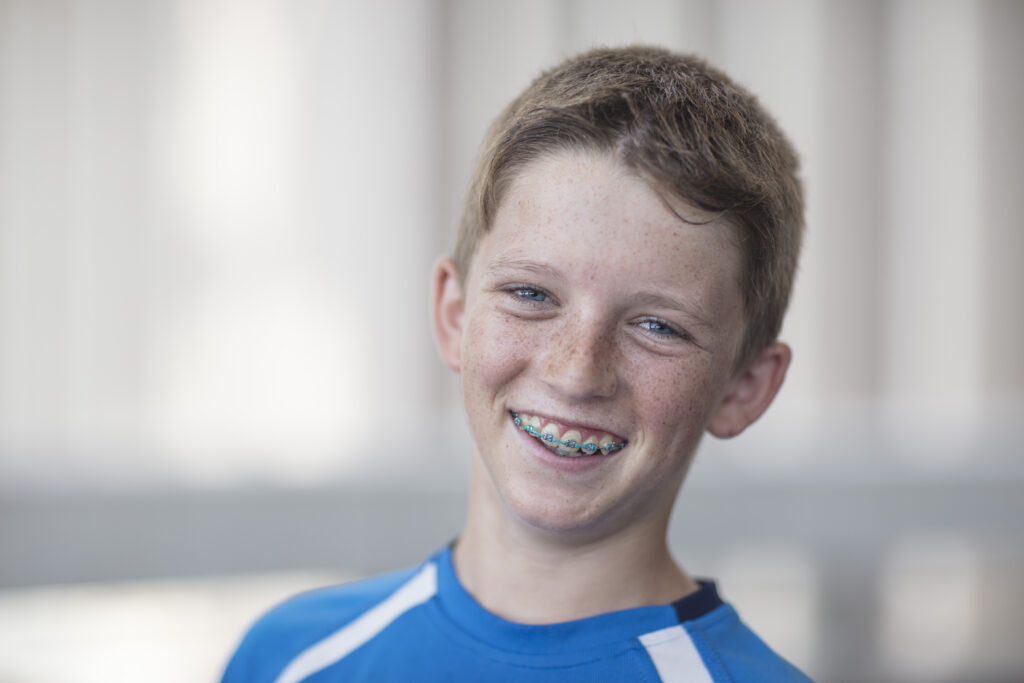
point(571, 443)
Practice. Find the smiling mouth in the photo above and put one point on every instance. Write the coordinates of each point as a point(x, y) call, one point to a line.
point(569, 443)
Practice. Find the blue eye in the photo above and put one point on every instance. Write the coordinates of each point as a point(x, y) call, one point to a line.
point(657, 327)
point(529, 294)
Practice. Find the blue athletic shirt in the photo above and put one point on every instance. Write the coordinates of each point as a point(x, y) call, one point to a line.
point(422, 625)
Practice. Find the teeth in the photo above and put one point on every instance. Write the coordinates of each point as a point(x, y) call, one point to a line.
point(567, 452)
point(548, 436)
point(568, 448)
point(567, 445)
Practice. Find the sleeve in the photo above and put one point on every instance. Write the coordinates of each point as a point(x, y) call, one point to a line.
point(263, 653)
point(280, 635)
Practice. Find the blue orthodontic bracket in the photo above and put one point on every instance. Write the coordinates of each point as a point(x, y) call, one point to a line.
point(571, 443)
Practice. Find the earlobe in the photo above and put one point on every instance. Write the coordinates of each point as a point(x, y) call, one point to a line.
point(752, 390)
point(448, 308)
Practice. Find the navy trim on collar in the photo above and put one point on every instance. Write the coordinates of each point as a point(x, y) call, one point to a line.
point(698, 603)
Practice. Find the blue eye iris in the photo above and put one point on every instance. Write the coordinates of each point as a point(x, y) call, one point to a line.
point(530, 294)
point(657, 327)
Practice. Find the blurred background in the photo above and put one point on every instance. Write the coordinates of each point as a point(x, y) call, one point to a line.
point(217, 383)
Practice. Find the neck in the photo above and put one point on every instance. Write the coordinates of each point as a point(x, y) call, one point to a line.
point(536, 576)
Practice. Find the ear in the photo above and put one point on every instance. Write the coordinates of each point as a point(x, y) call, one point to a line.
point(448, 308)
point(751, 391)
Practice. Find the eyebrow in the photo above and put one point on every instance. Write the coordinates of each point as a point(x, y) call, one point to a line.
point(518, 263)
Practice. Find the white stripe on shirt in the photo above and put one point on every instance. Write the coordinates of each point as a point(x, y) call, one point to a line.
point(339, 644)
point(675, 656)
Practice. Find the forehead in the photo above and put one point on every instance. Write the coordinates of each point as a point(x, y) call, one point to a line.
point(595, 172)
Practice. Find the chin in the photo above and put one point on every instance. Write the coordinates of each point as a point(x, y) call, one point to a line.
point(564, 515)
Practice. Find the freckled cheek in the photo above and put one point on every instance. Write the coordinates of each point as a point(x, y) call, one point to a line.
point(493, 352)
point(675, 401)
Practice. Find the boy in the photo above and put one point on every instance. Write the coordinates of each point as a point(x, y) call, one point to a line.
point(621, 272)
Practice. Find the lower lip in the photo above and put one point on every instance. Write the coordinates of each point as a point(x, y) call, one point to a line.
point(561, 462)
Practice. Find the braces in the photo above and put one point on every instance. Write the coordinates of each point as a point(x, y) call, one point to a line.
point(571, 443)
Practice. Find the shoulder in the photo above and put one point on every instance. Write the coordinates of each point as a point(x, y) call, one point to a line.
point(733, 652)
point(292, 627)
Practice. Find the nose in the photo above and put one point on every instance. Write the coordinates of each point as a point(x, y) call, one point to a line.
point(578, 360)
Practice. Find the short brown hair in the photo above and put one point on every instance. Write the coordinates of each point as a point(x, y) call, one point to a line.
point(681, 124)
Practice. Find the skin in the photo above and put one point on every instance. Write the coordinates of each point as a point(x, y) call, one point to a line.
point(593, 302)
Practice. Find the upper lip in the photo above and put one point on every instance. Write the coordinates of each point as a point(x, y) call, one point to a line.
point(590, 425)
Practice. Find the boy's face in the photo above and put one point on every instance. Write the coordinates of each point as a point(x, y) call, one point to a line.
point(592, 309)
